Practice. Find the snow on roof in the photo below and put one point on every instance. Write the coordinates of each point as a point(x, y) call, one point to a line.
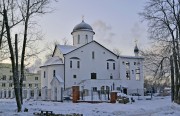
point(59, 78)
point(132, 57)
point(52, 61)
point(65, 48)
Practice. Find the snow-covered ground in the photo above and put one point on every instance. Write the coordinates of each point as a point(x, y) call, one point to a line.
point(158, 106)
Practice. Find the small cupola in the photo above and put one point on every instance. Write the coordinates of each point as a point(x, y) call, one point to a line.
point(136, 50)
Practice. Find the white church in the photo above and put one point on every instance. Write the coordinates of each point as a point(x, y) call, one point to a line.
point(91, 66)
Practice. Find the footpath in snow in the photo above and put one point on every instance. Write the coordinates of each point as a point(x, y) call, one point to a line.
point(158, 106)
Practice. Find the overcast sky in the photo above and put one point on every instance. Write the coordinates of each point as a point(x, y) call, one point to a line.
point(115, 22)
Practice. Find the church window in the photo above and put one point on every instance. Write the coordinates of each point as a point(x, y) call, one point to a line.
point(127, 75)
point(74, 76)
point(114, 66)
point(54, 73)
point(93, 75)
point(94, 88)
point(78, 64)
point(111, 77)
point(70, 64)
point(78, 39)
point(93, 55)
point(107, 65)
point(86, 38)
point(138, 73)
point(44, 74)
point(128, 70)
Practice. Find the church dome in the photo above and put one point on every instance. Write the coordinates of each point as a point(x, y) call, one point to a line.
point(136, 50)
point(82, 26)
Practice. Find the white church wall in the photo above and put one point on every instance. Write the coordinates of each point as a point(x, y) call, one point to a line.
point(44, 78)
point(59, 70)
point(89, 65)
point(45, 81)
point(132, 84)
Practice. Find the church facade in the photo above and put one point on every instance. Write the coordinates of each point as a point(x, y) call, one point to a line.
point(90, 66)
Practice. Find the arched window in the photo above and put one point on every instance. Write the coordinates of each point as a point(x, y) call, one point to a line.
point(78, 39)
point(78, 64)
point(86, 38)
point(107, 65)
point(44, 74)
point(93, 55)
point(70, 64)
point(54, 73)
point(114, 66)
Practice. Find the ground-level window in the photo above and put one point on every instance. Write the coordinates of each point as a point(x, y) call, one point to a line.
point(74, 76)
point(94, 88)
point(111, 77)
point(93, 75)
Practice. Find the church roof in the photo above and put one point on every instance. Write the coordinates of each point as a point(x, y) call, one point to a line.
point(82, 26)
point(53, 61)
point(58, 77)
point(66, 48)
point(90, 43)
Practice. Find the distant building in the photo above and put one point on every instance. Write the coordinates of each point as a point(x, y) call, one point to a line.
point(91, 66)
point(31, 81)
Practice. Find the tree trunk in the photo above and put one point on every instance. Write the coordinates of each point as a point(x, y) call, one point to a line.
point(24, 49)
point(14, 70)
point(172, 79)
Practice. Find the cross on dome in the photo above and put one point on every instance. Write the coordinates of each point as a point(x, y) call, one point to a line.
point(82, 17)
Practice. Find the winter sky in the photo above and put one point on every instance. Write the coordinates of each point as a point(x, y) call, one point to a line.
point(115, 22)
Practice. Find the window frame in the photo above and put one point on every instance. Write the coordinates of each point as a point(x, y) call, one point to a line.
point(93, 76)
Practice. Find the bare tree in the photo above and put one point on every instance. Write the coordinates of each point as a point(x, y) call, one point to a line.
point(163, 18)
point(17, 12)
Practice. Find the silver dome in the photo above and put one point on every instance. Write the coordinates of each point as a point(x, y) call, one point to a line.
point(83, 26)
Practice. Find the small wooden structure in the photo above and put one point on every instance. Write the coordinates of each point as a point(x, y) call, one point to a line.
point(75, 94)
point(113, 97)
